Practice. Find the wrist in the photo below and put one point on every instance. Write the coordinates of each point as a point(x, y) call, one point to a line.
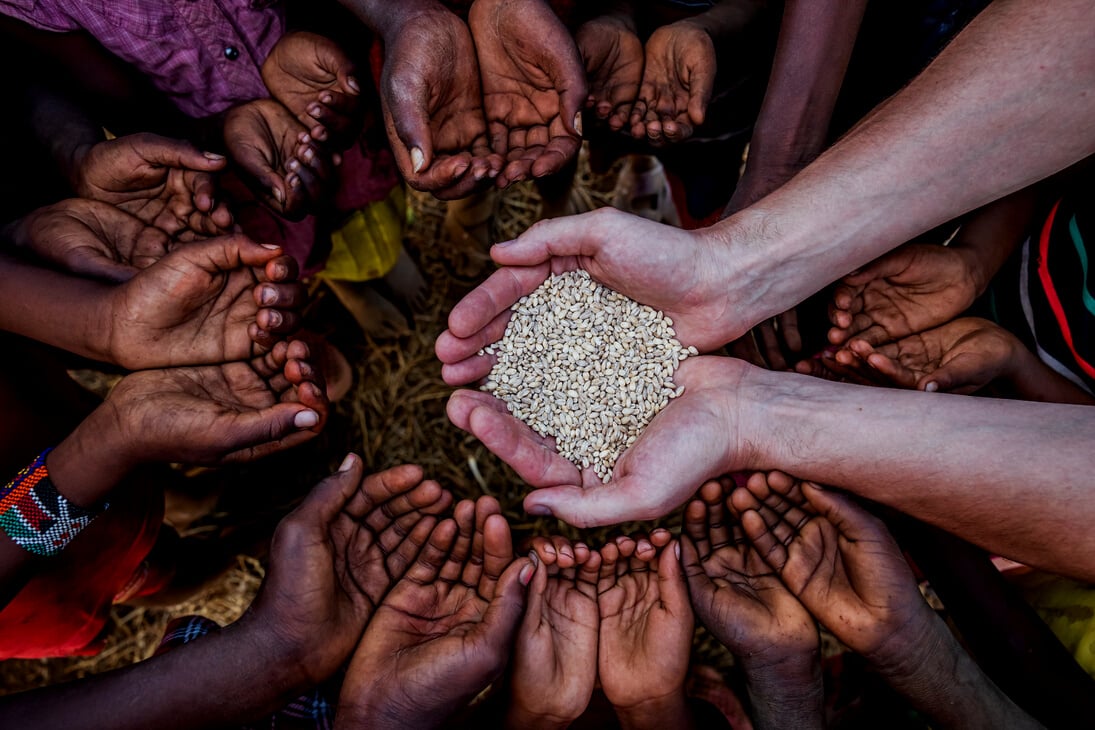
point(975, 269)
point(519, 717)
point(91, 461)
point(745, 242)
point(74, 162)
point(786, 691)
point(670, 710)
point(389, 19)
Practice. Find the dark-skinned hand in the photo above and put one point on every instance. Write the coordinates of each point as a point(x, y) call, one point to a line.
point(613, 55)
point(678, 81)
point(167, 183)
point(315, 80)
point(334, 558)
point(445, 631)
point(285, 167)
point(433, 107)
point(534, 85)
point(212, 301)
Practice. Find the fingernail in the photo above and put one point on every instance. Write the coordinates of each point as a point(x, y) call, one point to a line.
point(278, 195)
point(352, 83)
point(479, 174)
point(539, 510)
point(306, 419)
point(931, 387)
point(326, 98)
point(314, 110)
point(534, 557)
point(294, 181)
point(504, 244)
point(348, 462)
point(275, 318)
point(280, 272)
point(677, 550)
point(526, 575)
point(336, 159)
point(271, 246)
point(269, 296)
point(293, 164)
point(578, 123)
point(418, 160)
point(309, 155)
point(212, 156)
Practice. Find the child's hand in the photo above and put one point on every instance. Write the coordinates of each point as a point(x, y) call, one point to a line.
point(167, 183)
point(678, 80)
point(207, 302)
point(334, 558)
point(837, 559)
point(217, 414)
point(445, 631)
point(911, 289)
point(555, 658)
point(91, 238)
point(285, 167)
point(314, 79)
point(962, 356)
point(646, 633)
point(613, 56)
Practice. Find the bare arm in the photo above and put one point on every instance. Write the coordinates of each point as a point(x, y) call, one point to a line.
point(1006, 104)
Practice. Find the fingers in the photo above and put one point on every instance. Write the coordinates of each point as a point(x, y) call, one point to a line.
point(672, 589)
point(462, 362)
point(592, 506)
point(379, 488)
point(507, 605)
point(480, 308)
point(166, 152)
point(572, 235)
point(497, 552)
point(851, 521)
point(433, 555)
point(258, 433)
point(464, 515)
point(225, 253)
point(955, 375)
point(406, 114)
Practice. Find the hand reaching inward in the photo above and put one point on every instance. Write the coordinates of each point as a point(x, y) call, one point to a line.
point(445, 631)
point(646, 632)
point(212, 301)
point(314, 79)
point(433, 106)
point(216, 414)
point(167, 183)
point(678, 81)
point(911, 289)
point(334, 558)
point(555, 657)
point(534, 85)
point(285, 167)
point(613, 57)
point(91, 238)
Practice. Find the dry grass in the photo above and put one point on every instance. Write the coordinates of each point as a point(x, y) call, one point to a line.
point(394, 414)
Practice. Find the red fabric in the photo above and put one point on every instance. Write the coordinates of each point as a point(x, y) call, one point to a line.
point(63, 609)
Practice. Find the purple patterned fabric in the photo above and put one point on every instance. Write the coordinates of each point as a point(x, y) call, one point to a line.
point(204, 54)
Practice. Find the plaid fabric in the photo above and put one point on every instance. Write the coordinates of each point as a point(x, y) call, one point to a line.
point(204, 54)
point(310, 711)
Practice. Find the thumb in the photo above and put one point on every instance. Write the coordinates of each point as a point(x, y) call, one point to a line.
point(100, 267)
point(408, 116)
point(566, 236)
point(503, 614)
point(965, 370)
point(166, 152)
point(700, 87)
point(327, 498)
point(227, 253)
point(618, 501)
point(671, 585)
point(268, 430)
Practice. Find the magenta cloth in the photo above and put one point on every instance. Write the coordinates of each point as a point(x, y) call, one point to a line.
point(205, 55)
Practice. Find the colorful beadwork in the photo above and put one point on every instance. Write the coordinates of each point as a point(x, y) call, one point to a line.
point(36, 516)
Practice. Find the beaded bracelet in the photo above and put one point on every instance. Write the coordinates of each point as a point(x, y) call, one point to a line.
point(36, 516)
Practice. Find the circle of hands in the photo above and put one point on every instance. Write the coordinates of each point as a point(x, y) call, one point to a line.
point(426, 605)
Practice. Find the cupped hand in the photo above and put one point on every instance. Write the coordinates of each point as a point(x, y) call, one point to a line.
point(682, 273)
point(678, 81)
point(433, 107)
point(334, 558)
point(646, 626)
point(613, 55)
point(212, 301)
point(834, 557)
point(695, 438)
point(217, 414)
point(911, 289)
point(961, 356)
point(534, 85)
point(92, 238)
point(286, 168)
point(555, 657)
point(314, 79)
point(445, 631)
point(736, 595)
point(167, 183)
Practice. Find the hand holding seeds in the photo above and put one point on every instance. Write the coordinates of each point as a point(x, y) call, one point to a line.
point(671, 270)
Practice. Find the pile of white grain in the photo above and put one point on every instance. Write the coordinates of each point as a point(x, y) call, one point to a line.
point(587, 366)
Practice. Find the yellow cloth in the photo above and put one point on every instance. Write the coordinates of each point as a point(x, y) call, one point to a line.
point(368, 243)
point(1068, 608)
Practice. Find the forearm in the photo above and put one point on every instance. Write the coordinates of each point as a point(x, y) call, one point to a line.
point(727, 19)
point(944, 459)
point(63, 311)
point(64, 128)
point(990, 235)
point(939, 678)
point(1006, 104)
point(788, 693)
point(1035, 381)
point(224, 679)
point(815, 44)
